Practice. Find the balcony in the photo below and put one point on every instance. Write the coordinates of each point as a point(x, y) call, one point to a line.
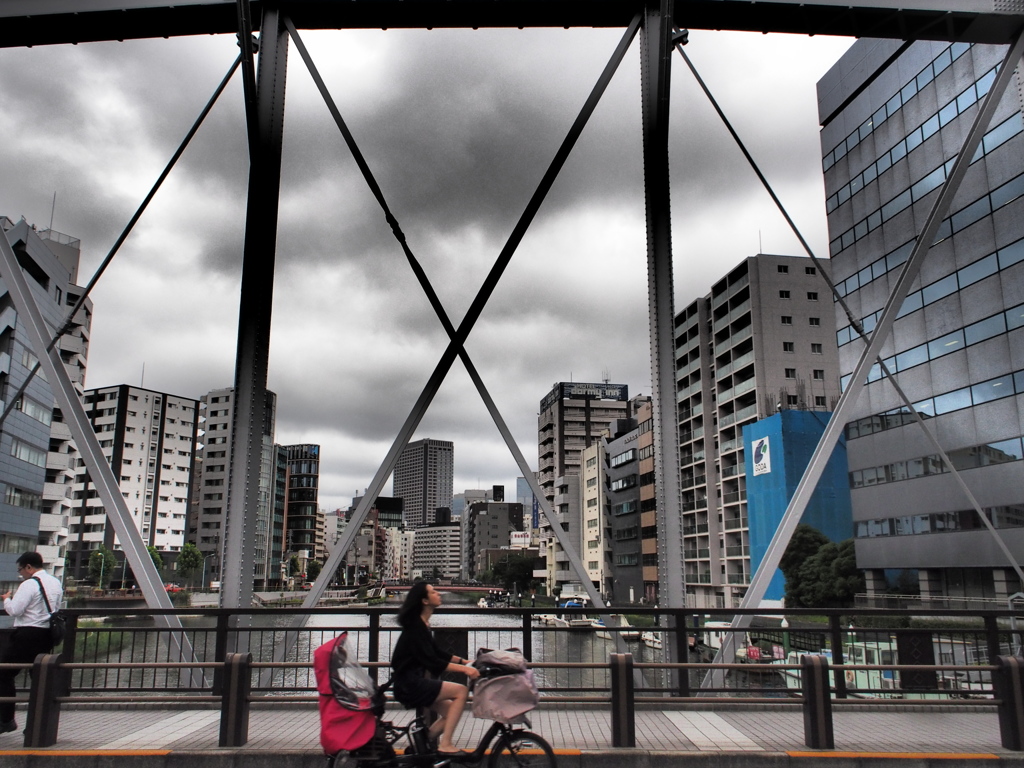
point(737, 551)
point(735, 523)
point(738, 578)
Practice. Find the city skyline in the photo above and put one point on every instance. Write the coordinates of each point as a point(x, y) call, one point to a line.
point(458, 142)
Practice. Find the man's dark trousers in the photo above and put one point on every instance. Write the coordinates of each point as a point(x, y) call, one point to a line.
point(25, 644)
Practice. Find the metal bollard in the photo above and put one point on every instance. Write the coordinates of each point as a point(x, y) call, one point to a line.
point(623, 709)
point(234, 708)
point(48, 682)
point(1008, 684)
point(814, 682)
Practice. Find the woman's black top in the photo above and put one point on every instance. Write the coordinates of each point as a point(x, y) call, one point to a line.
point(416, 653)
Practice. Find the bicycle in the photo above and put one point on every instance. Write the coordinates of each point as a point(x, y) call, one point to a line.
point(514, 747)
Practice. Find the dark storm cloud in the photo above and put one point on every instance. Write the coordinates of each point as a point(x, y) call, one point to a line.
point(458, 128)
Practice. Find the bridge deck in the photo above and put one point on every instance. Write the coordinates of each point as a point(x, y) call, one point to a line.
point(753, 731)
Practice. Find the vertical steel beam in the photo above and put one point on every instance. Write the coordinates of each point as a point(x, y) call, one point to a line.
point(250, 414)
point(655, 59)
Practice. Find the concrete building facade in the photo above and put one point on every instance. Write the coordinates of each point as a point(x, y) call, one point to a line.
point(37, 458)
point(424, 478)
point(760, 342)
point(891, 128)
point(572, 417)
point(209, 499)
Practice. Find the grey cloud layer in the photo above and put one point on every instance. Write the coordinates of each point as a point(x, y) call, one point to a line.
point(458, 128)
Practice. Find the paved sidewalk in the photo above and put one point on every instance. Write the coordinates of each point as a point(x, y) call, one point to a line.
point(722, 730)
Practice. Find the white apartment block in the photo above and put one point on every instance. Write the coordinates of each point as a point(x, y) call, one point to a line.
point(149, 439)
point(596, 546)
point(438, 546)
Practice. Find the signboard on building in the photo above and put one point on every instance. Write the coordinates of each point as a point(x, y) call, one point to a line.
point(579, 391)
point(762, 457)
point(519, 539)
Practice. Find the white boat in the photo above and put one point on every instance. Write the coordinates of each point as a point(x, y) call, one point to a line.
point(481, 603)
point(626, 632)
point(652, 640)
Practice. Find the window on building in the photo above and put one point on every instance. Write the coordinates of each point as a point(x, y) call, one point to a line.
point(810, 271)
point(792, 400)
point(791, 373)
point(783, 294)
point(787, 346)
point(819, 374)
point(783, 269)
point(819, 401)
point(787, 319)
point(814, 321)
point(816, 349)
point(812, 295)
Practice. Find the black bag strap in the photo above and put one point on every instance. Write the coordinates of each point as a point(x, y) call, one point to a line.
point(42, 591)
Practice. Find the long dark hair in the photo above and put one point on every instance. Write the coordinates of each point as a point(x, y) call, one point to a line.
point(412, 608)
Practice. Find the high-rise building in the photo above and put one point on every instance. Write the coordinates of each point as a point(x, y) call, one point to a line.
point(37, 458)
point(760, 342)
point(209, 501)
point(891, 128)
point(424, 479)
point(149, 439)
point(572, 417)
point(304, 520)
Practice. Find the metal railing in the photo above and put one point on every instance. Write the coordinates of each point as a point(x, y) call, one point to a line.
point(958, 658)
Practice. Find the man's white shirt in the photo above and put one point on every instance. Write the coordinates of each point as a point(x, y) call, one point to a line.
point(27, 606)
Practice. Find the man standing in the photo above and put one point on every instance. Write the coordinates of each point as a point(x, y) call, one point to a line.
point(31, 635)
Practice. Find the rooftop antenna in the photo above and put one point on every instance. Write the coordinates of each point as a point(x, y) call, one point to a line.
point(760, 245)
point(606, 376)
point(53, 207)
point(142, 379)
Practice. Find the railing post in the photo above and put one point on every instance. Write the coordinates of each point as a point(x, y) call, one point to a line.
point(48, 682)
point(1008, 685)
point(836, 631)
point(234, 708)
point(623, 721)
point(373, 649)
point(683, 652)
point(528, 636)
point(814, 682)
point(220, 649)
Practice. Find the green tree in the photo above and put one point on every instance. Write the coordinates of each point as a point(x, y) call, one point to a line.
point(190, 561)
point(313, 569)
point(294, 566)
point(831, 578)
point(514, 572)
point(804, 544)
point(158, 561)
point(101, 566)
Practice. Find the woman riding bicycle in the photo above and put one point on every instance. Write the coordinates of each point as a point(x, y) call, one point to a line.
point(416, 653)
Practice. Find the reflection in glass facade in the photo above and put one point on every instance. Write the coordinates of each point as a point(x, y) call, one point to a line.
point(956, 344)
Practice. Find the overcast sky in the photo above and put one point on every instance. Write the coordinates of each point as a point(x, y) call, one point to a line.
point(458, 127)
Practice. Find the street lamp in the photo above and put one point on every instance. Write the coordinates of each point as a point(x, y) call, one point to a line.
point(212, 554)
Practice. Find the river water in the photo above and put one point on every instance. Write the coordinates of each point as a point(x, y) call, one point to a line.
point(485, 628)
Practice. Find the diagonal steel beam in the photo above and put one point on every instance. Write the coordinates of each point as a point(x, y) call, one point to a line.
point(836, 424)
point(435, 302)
point(457, 337)
point(856, 324)
point(100, 471)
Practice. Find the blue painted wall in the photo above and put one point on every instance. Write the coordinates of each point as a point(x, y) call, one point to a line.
point(792, 437)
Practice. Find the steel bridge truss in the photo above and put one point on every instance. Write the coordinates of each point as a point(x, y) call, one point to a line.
point(40, 22)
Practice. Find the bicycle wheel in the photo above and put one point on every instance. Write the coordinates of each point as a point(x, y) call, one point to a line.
point(522, 749)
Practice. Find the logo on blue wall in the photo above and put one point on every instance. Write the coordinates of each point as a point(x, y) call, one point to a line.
point(762, 457)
